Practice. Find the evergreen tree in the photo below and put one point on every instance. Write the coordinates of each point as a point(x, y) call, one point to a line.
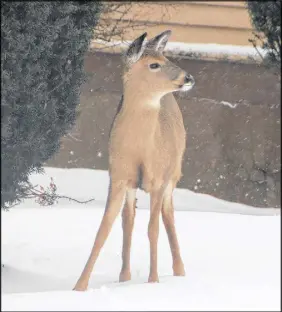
point(266, 19)
point(42, 52)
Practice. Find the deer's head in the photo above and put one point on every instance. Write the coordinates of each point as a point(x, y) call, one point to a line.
point(146, 68)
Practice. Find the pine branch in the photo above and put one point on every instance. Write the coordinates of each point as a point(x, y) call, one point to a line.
point(45, 197)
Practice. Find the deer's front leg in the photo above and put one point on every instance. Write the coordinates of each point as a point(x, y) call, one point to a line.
point(168, 220)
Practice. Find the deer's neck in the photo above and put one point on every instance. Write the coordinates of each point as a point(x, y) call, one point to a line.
point(140, 101)
point(139, 113)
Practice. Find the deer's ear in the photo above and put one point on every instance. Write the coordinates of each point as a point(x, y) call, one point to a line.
point(135, 50)
point(159, 42)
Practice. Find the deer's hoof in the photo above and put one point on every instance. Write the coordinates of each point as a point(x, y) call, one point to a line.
point(80, 287)
point(124, 276)
point(153, 279)
point(179, 270)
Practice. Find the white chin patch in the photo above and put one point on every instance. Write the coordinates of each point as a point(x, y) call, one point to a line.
point(186, 87)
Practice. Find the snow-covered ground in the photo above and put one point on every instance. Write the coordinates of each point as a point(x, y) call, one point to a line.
point(231, 253)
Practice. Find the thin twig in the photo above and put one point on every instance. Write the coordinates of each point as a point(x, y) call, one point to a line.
point(36, 193)
point(78, 140)
point(76, 200)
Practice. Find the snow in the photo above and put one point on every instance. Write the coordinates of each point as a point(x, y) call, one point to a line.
point(228, 104)
point(231, 253)
point(203, 49)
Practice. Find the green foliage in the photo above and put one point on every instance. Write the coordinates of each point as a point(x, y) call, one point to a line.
point(266, 19)
point(42, 52)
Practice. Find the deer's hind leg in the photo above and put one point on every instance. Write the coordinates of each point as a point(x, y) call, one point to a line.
point(168, 220)
point(115, 197)
point(128, 216)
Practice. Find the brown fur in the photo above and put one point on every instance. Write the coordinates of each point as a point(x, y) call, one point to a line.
point(147, 143)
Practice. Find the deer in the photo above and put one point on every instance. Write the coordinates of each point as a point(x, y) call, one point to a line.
point(146, 147)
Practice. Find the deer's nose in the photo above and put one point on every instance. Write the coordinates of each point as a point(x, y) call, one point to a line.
point(189, 80)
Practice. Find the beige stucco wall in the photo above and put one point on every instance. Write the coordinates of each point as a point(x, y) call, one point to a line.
point(191, 21)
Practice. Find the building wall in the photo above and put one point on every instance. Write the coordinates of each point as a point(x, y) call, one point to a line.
point(218, 22)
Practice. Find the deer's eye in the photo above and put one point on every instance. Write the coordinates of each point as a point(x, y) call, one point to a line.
point(154, 66)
